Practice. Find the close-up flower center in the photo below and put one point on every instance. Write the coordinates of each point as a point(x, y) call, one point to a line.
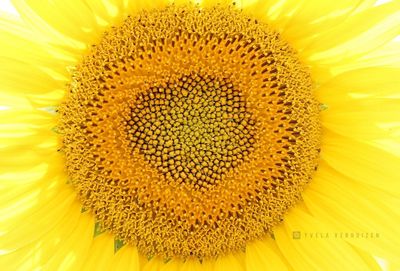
point(193, 131)
point(190, 131)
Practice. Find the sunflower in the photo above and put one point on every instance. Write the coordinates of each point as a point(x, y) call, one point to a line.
point(211, 135)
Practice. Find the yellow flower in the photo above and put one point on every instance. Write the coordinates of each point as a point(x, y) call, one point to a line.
point(247, 135)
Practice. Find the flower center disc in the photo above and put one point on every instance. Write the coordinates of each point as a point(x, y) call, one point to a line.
point(190, 131)
point(193, 131)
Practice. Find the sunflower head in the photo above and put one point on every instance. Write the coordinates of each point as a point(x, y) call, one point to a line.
point(199, 136)
point(189, 123)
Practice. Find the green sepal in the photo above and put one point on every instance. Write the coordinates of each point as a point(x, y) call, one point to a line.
point(149, 257)
point(323, 107)
point(50, 109)
point(118, 244)
point(56, 130)
point(84, 209)
point(98, 229)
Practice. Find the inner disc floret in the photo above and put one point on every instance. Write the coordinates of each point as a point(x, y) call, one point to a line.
point(195, 130)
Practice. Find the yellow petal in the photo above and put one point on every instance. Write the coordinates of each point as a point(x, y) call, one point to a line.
point(348, 207)
point(25, 258)
point(24, 188)
point(101, 253)
point(263, 255)
point(389, 145)
point(272, 11)
point(19, 185)
point(44, 32)
point(44, 248)
point(137, 6)
point(18, 44)
point(357, 35)
point(35, 224)
point(315, 17)
point(126, 258)
point(228, 262)
point(110, 11)
point(387, 55)
point(171, 265)
point(72, 252)
point(61, 16)
point(28, 131)
point(324, 252)
point(365, 82)
point(363, 119)
point(152, 264)
point(100, 9)
point(8, 100)
point(368, 259)
point(25, 79)
point(361, 162)
point(196, 265)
